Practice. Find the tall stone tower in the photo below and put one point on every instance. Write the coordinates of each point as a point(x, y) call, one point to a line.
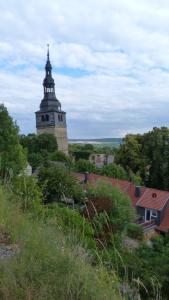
point(50, 118)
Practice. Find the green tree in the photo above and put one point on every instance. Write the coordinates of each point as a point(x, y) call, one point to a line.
point(147, 156)
point(60, 156)
point(129, 155)
point(39, 147)
point(12, 156)
point(57, 183)
point(156, 150)
point(83, 165)
point(114, 170)
point(37, 143)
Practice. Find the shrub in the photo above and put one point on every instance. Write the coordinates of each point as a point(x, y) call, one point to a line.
point(135, 231)
point(115, 171)
point(58, 183)
point(60, 156)
point(121, 212)
point(83, 165)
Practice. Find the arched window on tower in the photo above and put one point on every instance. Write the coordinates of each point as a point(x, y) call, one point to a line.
point(46, 118)
point(60, 118)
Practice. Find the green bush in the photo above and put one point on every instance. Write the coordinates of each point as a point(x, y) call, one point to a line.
point(83, 165)
point(61, 157)
point(58, 183)
point(115, 171)
point(135, 231)
point(121, 212)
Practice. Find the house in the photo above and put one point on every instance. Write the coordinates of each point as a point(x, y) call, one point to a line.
point(99, 160)
point(151, 205)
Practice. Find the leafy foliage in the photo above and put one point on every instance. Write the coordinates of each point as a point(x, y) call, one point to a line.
point(12, 156)
point(147, 154)
point(83, 165)
point(60, 156)
point(58, 183)
point(39, 147)
point(121, 212)
point(135, 231)
point(114, 170)
point(70, 221)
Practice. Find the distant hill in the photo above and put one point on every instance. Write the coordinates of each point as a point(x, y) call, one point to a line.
point(106, 141)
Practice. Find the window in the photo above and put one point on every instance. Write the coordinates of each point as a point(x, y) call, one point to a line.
point(60, 118)
point(150, 214)
point(154, 213)
point(47, 118)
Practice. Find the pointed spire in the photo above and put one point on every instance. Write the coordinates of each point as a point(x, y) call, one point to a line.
point(48, 83)
point(47, 51)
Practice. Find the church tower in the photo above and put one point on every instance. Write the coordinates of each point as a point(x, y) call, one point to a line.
point(50, 118)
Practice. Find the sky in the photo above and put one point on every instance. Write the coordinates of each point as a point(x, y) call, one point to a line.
point(110, 63)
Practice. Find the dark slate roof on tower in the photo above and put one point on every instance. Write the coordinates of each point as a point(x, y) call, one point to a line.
point(49, 102)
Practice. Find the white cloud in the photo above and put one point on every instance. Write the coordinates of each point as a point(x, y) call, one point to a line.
point(122, 46)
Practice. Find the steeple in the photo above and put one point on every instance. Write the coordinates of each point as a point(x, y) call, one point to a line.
point(48, 83)
point(50, 118)
point(49, 102)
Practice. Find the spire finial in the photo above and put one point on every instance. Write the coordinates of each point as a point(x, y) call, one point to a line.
point(48, 51)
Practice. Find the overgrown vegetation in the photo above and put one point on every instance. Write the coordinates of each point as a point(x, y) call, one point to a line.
point(135, 231)
point(47, 264)
point(58, 184)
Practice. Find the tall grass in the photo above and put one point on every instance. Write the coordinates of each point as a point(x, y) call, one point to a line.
point(47, 265)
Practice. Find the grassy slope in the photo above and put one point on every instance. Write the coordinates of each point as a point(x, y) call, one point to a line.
point(47, 266)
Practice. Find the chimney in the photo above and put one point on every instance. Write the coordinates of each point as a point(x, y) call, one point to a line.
point(137, 191)
point(86, 177)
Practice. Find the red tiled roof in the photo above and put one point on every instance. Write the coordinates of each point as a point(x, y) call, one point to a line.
point(122, 184)
point(153, 199)
point(164, 226)
point(150, 198)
